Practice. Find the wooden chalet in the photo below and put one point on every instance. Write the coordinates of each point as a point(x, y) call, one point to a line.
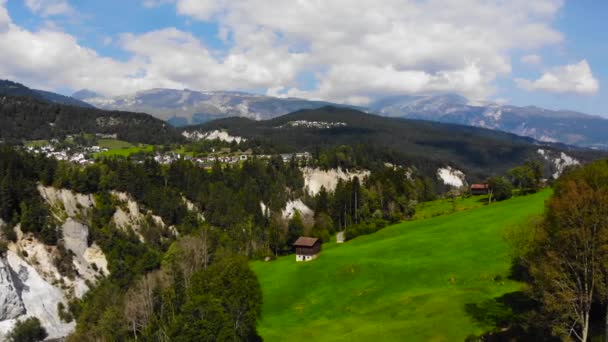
point(307, 248)
point(480, 189)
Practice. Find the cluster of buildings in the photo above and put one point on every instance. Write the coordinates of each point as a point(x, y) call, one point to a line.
point(314, 124)
point(80, 155)
point(84, 155)
point(208, 161)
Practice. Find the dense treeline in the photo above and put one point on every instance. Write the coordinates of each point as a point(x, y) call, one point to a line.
point(25, 118)
point(19, 199)
point(231, 197)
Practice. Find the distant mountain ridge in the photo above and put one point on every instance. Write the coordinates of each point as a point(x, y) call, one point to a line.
point(563, 126)
point(17, 89)
point(187, 107)
point(424, 144)
point(30, 118)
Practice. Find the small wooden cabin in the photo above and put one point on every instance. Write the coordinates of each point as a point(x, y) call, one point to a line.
point(307, 248)
point(480, 189)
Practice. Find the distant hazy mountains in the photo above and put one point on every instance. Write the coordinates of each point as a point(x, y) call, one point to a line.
point(187, 107)
point(541, 124)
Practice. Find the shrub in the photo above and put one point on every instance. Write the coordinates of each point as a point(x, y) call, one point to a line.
point(501, 188)
point(63, 313)
point(9, 233)
point(3, 247)
point(29, 330)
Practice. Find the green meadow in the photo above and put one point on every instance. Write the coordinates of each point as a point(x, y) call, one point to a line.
point(120, 148)
point(407, 282)
point(447, 206)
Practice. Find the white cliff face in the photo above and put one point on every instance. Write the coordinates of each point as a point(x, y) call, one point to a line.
point(39, 298)
point(11, 305)
point(90, 262)
point(30, 282)
point(559, 161)
point(299, 206)
point(314, 179)
point(72, 203)
point(36, 285)
point(451, 176)
point(193, 208)
point(133, 218)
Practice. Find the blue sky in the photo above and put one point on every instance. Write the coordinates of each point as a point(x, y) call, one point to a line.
point(548, 53)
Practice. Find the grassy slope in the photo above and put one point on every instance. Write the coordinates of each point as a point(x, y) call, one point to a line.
point(409, 282)
point(445, 206)
point(120, 148)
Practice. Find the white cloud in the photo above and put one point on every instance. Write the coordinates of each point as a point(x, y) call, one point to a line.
point(156, 3)
point(531, 59)
point(385, 46)
point(5, 20)
point(47, 8)
point(573, 78)
point(356, 50)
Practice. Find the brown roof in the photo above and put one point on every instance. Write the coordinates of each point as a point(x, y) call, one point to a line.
point(479, 186)
point(305, 241)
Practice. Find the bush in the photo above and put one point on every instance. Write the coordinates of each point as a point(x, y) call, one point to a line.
point(64, 313)
point(501, 188)
point(9, 233)
point(64, 261)
point(29, 330)
point(3, 247)
point(365, 228)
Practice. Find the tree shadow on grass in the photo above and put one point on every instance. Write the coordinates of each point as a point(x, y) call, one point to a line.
point(510, 317)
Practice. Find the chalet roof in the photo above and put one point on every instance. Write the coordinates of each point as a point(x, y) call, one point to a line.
point(305, 241)
point(479, 186)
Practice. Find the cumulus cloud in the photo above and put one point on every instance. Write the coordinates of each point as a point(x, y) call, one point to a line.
point(531, 59)
point(4, 18)
point(156, 3)
point(360, 49)
point(48, 8)
point(572, 78)
point(354, 51)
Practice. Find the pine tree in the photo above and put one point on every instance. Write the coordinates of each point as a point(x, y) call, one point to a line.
point(295, 228)
point(7, 202)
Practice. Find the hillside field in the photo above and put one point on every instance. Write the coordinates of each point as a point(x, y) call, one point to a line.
point(408, 282)
point(121, 148)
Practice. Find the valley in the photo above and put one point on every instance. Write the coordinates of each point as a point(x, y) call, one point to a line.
point(191, 230)
point(254, 170)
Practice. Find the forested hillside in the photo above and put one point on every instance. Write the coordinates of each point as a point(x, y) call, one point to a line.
point(425, 145)
point(187, 260)
point(26, 118)
point(17, 89)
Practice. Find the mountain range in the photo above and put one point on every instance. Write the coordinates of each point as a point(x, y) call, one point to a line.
point(563, 126)
point(186, 107)
point(189, 107)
